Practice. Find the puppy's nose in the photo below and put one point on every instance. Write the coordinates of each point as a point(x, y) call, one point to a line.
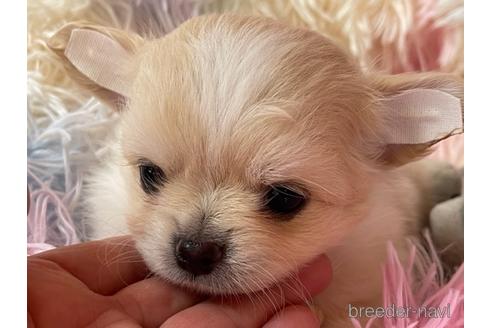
point(197, 257)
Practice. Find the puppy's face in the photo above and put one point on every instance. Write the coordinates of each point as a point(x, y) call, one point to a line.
point(244, 143)
point(250, 149)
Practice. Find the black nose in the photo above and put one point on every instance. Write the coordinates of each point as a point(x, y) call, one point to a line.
point(198, 257)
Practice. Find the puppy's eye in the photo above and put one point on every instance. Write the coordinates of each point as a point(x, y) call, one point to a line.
point(151, 177)
point(283, 200)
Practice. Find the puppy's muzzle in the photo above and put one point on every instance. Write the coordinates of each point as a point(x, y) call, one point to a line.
point(198, 257)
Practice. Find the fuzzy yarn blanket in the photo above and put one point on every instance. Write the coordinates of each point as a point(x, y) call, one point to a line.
point(67, 127)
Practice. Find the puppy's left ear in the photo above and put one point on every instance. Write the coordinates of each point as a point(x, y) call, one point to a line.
point(418, 110)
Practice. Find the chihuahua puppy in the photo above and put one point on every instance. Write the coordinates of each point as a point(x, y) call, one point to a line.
point(246, 148)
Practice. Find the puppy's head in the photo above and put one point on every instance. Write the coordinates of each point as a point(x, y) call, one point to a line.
point(252, 146)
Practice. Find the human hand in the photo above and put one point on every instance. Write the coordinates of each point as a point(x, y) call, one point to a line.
point(102, 284)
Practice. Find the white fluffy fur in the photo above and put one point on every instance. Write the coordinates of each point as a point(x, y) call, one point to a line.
point(227, 105)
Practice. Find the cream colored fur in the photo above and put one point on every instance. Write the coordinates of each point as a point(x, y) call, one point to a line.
point(227, 105)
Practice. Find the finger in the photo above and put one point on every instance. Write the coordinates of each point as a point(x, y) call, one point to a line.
point(114, 319)
point(146, 303)
point(254, 312)
point(104, 266)
point(54, 294)
point(294, 316)
point(152, 301)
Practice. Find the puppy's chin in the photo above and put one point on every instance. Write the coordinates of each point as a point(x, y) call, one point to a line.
point(223, 281)
point(220, 282)
point(231, 277)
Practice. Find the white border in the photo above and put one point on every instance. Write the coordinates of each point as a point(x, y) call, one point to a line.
point(478, 162)
point(13, 127)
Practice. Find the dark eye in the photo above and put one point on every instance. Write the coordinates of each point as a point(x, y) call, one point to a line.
point(151, 177)
point(283, 200)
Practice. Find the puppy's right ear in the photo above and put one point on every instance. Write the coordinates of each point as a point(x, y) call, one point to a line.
point(100, 59)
